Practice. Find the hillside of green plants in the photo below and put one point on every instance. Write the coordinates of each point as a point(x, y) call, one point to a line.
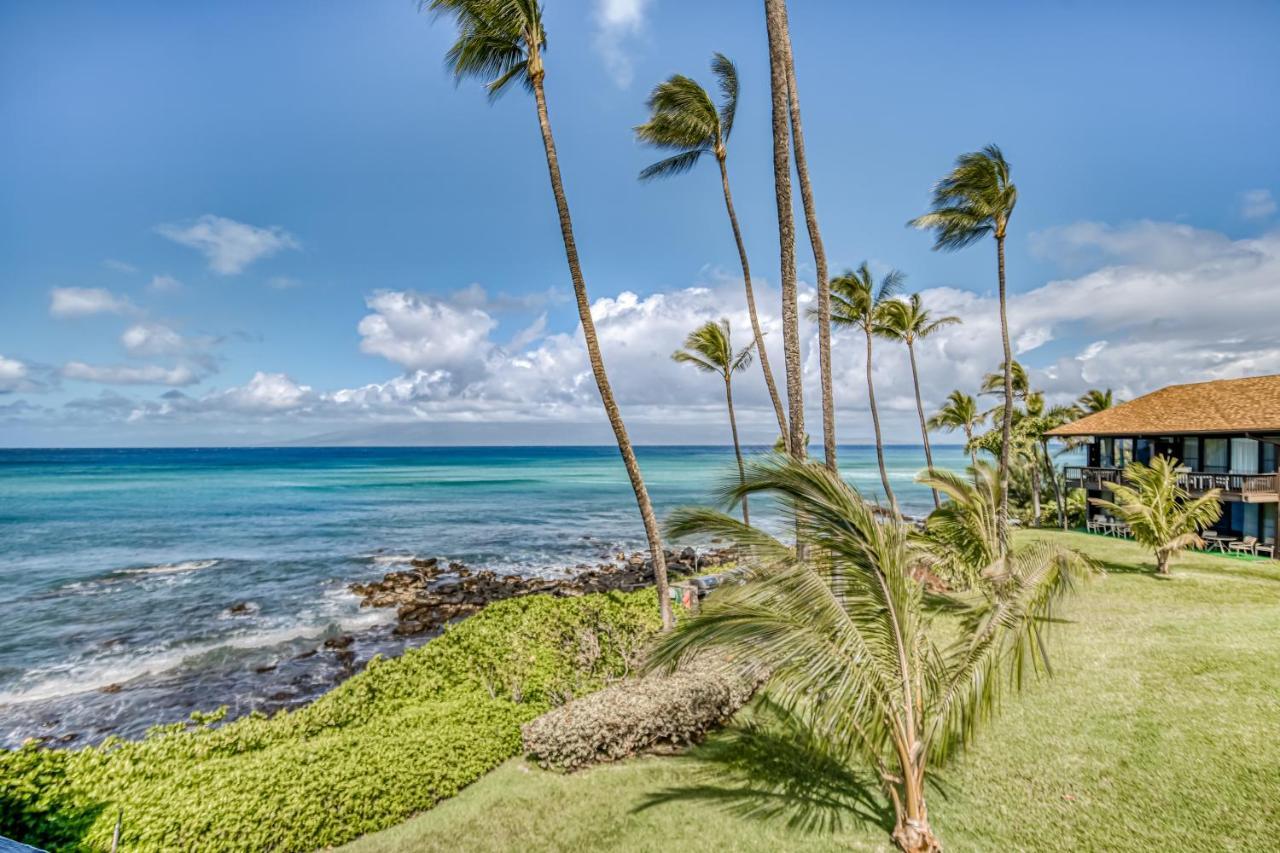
point(391, 741)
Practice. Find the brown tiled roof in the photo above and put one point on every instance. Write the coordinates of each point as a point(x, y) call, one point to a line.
point(1224, 405)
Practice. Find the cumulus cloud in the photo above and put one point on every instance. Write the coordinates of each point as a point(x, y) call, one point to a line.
point(13, 374)
point(1133, 324)
point(1257, 204)
point(146, 339)
point(228, 245)
point(149, 374)
point(1159, 245)
point(66, 302)
point(618, 23)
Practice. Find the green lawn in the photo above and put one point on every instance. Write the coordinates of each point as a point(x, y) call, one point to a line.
point(1161, 730)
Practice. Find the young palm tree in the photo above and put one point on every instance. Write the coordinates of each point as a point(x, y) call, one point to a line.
point(909, 322)
point(976, 200)
point(684, 119)
point(501, 42)
point(962, 537)
point(815, 242)
point(960, 412)
point(775, 14)
point(1056, 416)
point(1095, 400)
point(852, 649)
point(1162, 515)
point(857, 303)
point(709, 348)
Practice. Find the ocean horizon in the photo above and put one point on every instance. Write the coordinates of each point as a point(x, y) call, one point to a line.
point(140, 584)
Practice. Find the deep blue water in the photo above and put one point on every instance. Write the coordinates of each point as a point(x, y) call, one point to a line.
point(120, 567)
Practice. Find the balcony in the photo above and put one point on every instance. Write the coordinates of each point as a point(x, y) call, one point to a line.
point(1248, 488)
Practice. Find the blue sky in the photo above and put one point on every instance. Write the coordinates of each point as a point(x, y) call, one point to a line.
point(231, 186)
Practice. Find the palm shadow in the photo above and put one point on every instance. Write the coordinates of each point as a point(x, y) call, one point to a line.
point(775, 767)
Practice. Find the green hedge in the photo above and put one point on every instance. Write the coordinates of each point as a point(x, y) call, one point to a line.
point(391, 741)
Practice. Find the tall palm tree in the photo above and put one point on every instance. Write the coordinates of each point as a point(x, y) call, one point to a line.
point(501, 42)
point(909, 322)
point(960, 412)
point(993, 383)
point(976, 200)
point(779, 88)
point(709, 348)
point(684, 119)
point(850, 642)
point(1161, 513)
point(1095, 400)
point(856, 302)
point(815, 242)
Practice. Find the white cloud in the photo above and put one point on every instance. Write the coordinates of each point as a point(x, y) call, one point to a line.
point(119, 266)
point(228, 245)
point(1160, 245)
point(420, 332)
point(1257, 204)
point(145, 339)
point(149, 374)
point(67, 302)
point(1132, 326)
point(13, 374)
point(164, 284)
point(618, 22)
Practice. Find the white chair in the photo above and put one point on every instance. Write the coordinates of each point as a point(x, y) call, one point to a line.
point(1247, 545)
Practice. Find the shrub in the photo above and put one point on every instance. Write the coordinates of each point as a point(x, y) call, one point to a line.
point(389, 742)
point(639, 715)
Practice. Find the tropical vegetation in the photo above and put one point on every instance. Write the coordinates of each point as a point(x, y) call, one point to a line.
point(1160, 513)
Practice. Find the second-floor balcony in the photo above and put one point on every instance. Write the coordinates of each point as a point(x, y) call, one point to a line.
point(1249, 488)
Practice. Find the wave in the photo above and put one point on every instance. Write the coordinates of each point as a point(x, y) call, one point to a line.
point(67, 679)
point(170, 568)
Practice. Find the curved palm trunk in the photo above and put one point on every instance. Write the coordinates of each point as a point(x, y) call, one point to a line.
point(1035, 486)
point(761, 352)
point(1057, 484)
point(924, 429)
point(875, 422)
point(819, 253)
point(968, 444)
point(597, 363)
point(776, 23)
point(1006, 424)
point(737, 448)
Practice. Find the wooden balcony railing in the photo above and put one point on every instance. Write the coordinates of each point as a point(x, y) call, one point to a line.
point(1250, 488)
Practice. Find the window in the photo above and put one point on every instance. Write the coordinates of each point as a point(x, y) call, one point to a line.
point(1124, 451)
point(1268, 522)
point(1269, 451)
point(1106, 453)
point(1191, 452)
point(1216, 456)
point(1244, 456)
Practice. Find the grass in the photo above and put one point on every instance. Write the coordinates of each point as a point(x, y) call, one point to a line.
point(1160, 730)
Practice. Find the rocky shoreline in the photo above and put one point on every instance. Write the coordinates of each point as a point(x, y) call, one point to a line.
point(432, 593)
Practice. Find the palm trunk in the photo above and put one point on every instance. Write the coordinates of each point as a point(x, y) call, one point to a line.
point(968, 445)
point(1057, 485)
point(737, 448)
point(924, 429)
point(597, 363)
point(1162, 562)
point(1035, 487)
point(875, 422)
point(819, 252)
point(761, 352)
point(1006, 425)
point(776, 23)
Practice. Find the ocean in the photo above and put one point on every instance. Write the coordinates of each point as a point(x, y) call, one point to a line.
point(139, 585)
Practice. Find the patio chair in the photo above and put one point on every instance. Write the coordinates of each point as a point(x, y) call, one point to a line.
point(1269, 548)
point(1247, 545)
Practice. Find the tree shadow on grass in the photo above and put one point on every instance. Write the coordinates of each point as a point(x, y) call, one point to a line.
point(774, 767)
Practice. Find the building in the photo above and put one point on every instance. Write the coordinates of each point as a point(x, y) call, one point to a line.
point(1225, 434)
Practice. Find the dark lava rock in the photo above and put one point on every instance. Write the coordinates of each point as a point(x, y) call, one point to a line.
point(339, 642)
point(111, 688)
point(240, 608)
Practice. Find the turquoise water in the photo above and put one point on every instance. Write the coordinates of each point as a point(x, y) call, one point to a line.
point(187, 578)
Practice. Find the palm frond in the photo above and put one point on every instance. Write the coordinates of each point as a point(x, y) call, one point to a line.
point(675, 165)
point(727, 79)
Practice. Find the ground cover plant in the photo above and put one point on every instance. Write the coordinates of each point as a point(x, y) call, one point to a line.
point(391, 741)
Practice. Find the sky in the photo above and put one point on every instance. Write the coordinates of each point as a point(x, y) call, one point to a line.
point(255, 223)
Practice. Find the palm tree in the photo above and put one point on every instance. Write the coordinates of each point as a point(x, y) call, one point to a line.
point(1056, 416)
point(1095, 400)
point(710, 349)
point(815, 242)
point(779, 88)
point(993, 383)
point(684, 119)
point(962, 537)
point(960, 412)
point(857, 303)
point(850, 643)
point(501, 42)
point(976, 200)
point(909, 322)
point(1162, 515)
